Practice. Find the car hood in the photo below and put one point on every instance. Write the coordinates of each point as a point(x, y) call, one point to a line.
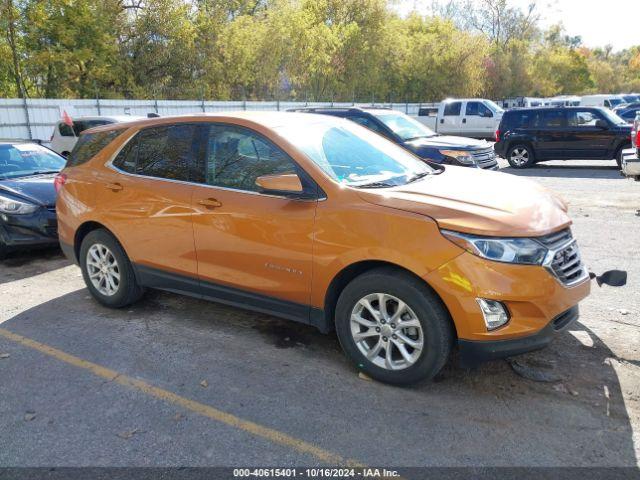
point(447, 142)
point(37, 189)
point(479, 202)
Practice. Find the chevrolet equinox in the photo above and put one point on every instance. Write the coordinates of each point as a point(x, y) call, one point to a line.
point(317, 219)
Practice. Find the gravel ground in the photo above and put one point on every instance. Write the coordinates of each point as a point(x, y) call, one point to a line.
point(293, 380)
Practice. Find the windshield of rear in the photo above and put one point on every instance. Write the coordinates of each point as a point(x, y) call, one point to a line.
point(404, 126)
point(353, 155)
point(21, 160)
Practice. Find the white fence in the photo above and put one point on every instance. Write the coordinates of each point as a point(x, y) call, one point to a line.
point(34, 119)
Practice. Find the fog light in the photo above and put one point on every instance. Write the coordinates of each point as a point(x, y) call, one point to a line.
point(495, 313)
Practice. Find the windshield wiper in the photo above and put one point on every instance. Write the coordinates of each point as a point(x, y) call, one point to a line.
point(419, 136)
point(376, 185)
point(418, 176)
point(39, 172)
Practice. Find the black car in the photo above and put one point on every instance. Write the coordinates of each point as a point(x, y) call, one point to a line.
point(27, 196)
point(529, 135)
point(416, 137)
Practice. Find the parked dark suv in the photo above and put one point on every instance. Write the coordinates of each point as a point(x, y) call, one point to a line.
point(416, 137)
point(529, 135)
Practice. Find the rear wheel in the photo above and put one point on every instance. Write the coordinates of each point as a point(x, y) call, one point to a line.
point(107, 270)
point(520, 156)
point(393, 327)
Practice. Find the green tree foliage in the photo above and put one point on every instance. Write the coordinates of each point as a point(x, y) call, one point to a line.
point(338, 50)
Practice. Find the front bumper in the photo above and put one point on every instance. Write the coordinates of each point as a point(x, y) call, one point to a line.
point(630, 163)
point(533, 296)
point(473, 353)
point(35, 229)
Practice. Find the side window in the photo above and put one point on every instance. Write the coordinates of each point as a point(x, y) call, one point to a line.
point(472, 108)
point(65, 130)
point(237, 156)
point(452, 109)
point(368, 123)
point(127, 158)
point(582, 118)
point(89, 145)
point(553, 119)
point(166, 151)
point(522, 119)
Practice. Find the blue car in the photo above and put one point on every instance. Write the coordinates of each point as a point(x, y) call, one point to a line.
point(27, 196)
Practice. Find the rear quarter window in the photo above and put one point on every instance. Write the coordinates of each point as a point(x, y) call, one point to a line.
point(521, 119)
point(89, 145)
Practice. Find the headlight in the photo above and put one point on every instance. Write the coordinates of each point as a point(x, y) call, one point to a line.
point(16, 207)
point(461, 156)
point(510, 250)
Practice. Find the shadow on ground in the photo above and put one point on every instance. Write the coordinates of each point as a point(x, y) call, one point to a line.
point(487, 416)
point(24, 264)
point(568, 171)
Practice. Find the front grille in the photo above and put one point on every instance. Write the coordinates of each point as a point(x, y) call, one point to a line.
point(485, 158)
point(556, 239)
point(566, 263)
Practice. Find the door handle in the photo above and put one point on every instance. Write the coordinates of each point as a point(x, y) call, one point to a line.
point(210, 203)
point(114, 187)
point(464, 120)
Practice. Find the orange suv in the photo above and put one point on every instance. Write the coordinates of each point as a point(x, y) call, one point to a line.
point(318, 220)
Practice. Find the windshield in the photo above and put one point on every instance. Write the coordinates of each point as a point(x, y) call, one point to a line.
point(404, 126)
point(353, 155)
point(612, 116)
point(21, 160)
point(616, 101)
point(493, 106)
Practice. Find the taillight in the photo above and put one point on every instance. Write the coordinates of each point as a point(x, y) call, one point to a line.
point(59, 181)
point(497, 135)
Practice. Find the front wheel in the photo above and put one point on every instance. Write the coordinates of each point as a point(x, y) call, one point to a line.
point(393, 327)
point(520, 156)
point(107, 270)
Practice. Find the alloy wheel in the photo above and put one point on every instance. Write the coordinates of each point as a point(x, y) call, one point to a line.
point(520, 156)
point(387, 331)
point(103, 269)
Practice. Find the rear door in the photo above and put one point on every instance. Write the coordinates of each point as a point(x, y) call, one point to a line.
point(145, 199)
point(451, 120)
point(551, 136)
point(584, 138)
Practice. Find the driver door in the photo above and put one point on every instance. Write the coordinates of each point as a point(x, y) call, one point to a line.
point(251, 247)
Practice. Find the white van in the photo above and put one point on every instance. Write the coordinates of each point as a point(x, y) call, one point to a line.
point(467, 117)
point(603, 100)
point(562, 101)
point(64, 137)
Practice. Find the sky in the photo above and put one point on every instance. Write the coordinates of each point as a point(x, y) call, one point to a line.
point(598, 22)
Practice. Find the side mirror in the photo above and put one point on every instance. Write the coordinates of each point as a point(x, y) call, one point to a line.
point(283, 183)
point(602, 124)
point(487, 114)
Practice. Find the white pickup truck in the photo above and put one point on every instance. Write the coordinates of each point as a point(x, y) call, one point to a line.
point(467, 117)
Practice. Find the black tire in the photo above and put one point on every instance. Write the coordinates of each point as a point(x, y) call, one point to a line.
point(128, 291)
point(619, 154)
point(438, 333)
point(524, 153)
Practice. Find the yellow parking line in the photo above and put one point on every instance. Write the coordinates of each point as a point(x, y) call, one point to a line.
point(201, 409)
